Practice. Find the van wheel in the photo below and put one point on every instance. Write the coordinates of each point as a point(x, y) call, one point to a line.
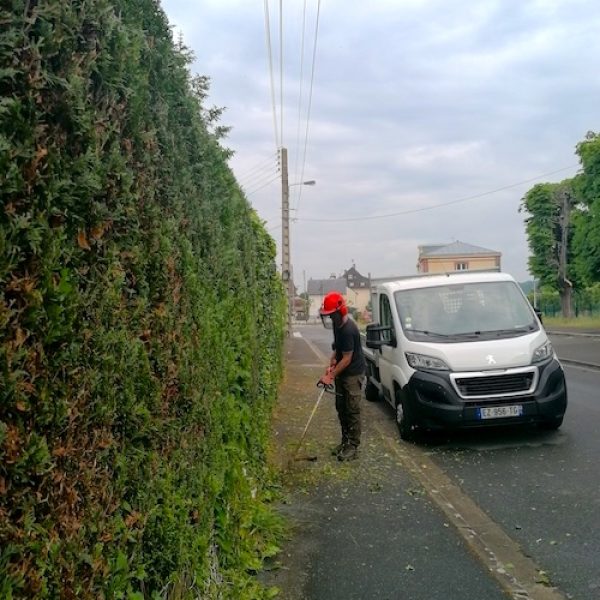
point(404, 419)
point(371, 392)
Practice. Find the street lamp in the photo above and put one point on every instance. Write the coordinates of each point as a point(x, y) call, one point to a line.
point(287, 272)
point(286, 268)
point(309, 182)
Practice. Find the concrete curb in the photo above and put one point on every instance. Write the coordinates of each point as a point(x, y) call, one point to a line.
point(579, 363)
point(574, 333)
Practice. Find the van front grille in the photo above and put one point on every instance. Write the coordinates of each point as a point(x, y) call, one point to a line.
point(510, 383)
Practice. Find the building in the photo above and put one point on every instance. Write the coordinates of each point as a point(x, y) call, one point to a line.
point(317, 288)
point(299, 311)
point(457, 256)
point(359, 289)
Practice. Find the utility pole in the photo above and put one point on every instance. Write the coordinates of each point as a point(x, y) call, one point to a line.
point(565, 286)
point(306, 302)
point(286, 269)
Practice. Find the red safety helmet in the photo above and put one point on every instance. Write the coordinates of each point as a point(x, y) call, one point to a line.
point(333, 302)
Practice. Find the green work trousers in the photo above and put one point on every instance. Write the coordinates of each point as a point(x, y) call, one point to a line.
point(347, 403)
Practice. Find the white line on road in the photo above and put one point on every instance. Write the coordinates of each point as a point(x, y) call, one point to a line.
point(320, 355)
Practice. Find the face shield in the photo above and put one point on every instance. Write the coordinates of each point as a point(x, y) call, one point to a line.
point(332, 320)
point(327, 322)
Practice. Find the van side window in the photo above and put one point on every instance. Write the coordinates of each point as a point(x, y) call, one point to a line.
point(385, 313)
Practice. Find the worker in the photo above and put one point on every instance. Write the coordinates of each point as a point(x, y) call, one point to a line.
point(347, 370)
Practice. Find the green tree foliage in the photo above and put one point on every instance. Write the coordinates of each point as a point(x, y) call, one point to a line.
point(587, 232)
point(541, 232)
point(563, 228)
point(141, 318)
point(549, 232)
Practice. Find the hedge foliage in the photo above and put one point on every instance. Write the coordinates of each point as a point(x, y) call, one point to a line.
point(141, 318)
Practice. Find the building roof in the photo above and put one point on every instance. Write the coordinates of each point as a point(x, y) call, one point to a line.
point(354, 278)
point(455, 249)
point(320, 287)
point(427, 250)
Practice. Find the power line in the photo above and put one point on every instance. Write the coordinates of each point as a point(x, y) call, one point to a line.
point(256, 176)
point(281, 70)
point(297, 157)
point(267, 165)
point(244, 174)
point(312, 78)
point(260, 185)
point(249, 193)
point(258, 182)
point(270, 54)
point(416, 210)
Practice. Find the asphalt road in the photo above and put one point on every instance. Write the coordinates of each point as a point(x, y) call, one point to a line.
point(542, 488)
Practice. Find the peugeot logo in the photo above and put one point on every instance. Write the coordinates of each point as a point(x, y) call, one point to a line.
point(490, 359)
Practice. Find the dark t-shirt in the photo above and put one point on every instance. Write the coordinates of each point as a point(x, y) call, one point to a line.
point(347, 339)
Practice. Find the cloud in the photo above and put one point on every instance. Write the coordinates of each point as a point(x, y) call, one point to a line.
point(413, 105)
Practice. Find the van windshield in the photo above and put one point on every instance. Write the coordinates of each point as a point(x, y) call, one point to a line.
point(462, 312)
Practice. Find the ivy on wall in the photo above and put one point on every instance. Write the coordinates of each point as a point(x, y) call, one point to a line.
point(141, 318)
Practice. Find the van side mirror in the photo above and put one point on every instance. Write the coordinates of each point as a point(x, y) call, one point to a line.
point(538, 312)
point(379, 336)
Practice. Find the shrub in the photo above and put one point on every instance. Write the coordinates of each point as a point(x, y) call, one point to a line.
point(141, 317)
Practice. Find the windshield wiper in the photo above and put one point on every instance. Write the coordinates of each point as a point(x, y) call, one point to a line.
point(527, 329)
point(426, 332)
point(496, 332)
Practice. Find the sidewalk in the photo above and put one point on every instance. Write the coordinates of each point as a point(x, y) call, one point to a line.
point(362, 530)
point(578, 348)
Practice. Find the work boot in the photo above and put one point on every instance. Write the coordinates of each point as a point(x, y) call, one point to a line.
point(337, 449)
point(348, 452)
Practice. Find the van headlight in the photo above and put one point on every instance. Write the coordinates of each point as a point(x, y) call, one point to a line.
point(542, 353)
point(422, 361)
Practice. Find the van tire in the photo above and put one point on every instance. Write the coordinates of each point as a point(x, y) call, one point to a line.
point(404, 418)
point(552, 424)
point(371, 392)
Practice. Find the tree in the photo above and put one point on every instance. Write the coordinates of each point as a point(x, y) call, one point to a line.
point(586, 241)
point(549, 233)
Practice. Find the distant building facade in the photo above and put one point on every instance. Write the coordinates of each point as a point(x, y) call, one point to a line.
point(354, 286)
point(317, 288)
point(359, 289)
point(457, 256)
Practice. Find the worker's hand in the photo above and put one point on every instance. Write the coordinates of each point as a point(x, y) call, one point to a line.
point(332, 363)
point(327, 379)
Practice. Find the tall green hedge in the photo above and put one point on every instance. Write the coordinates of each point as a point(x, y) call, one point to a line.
point(141, 318)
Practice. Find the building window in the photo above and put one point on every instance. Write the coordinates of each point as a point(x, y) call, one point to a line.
point(461, 266)
point(350, 277)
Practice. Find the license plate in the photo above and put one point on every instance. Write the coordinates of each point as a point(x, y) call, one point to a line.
point(499, 412)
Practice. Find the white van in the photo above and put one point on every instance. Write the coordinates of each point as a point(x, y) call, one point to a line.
point(462, 350)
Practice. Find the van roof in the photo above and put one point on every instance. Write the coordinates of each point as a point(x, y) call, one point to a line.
point(420, 281)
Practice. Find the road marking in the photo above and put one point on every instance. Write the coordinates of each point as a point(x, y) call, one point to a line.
point(518, 575)
point(320, 355)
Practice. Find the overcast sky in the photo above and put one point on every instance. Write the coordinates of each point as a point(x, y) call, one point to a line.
point(415, 103)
